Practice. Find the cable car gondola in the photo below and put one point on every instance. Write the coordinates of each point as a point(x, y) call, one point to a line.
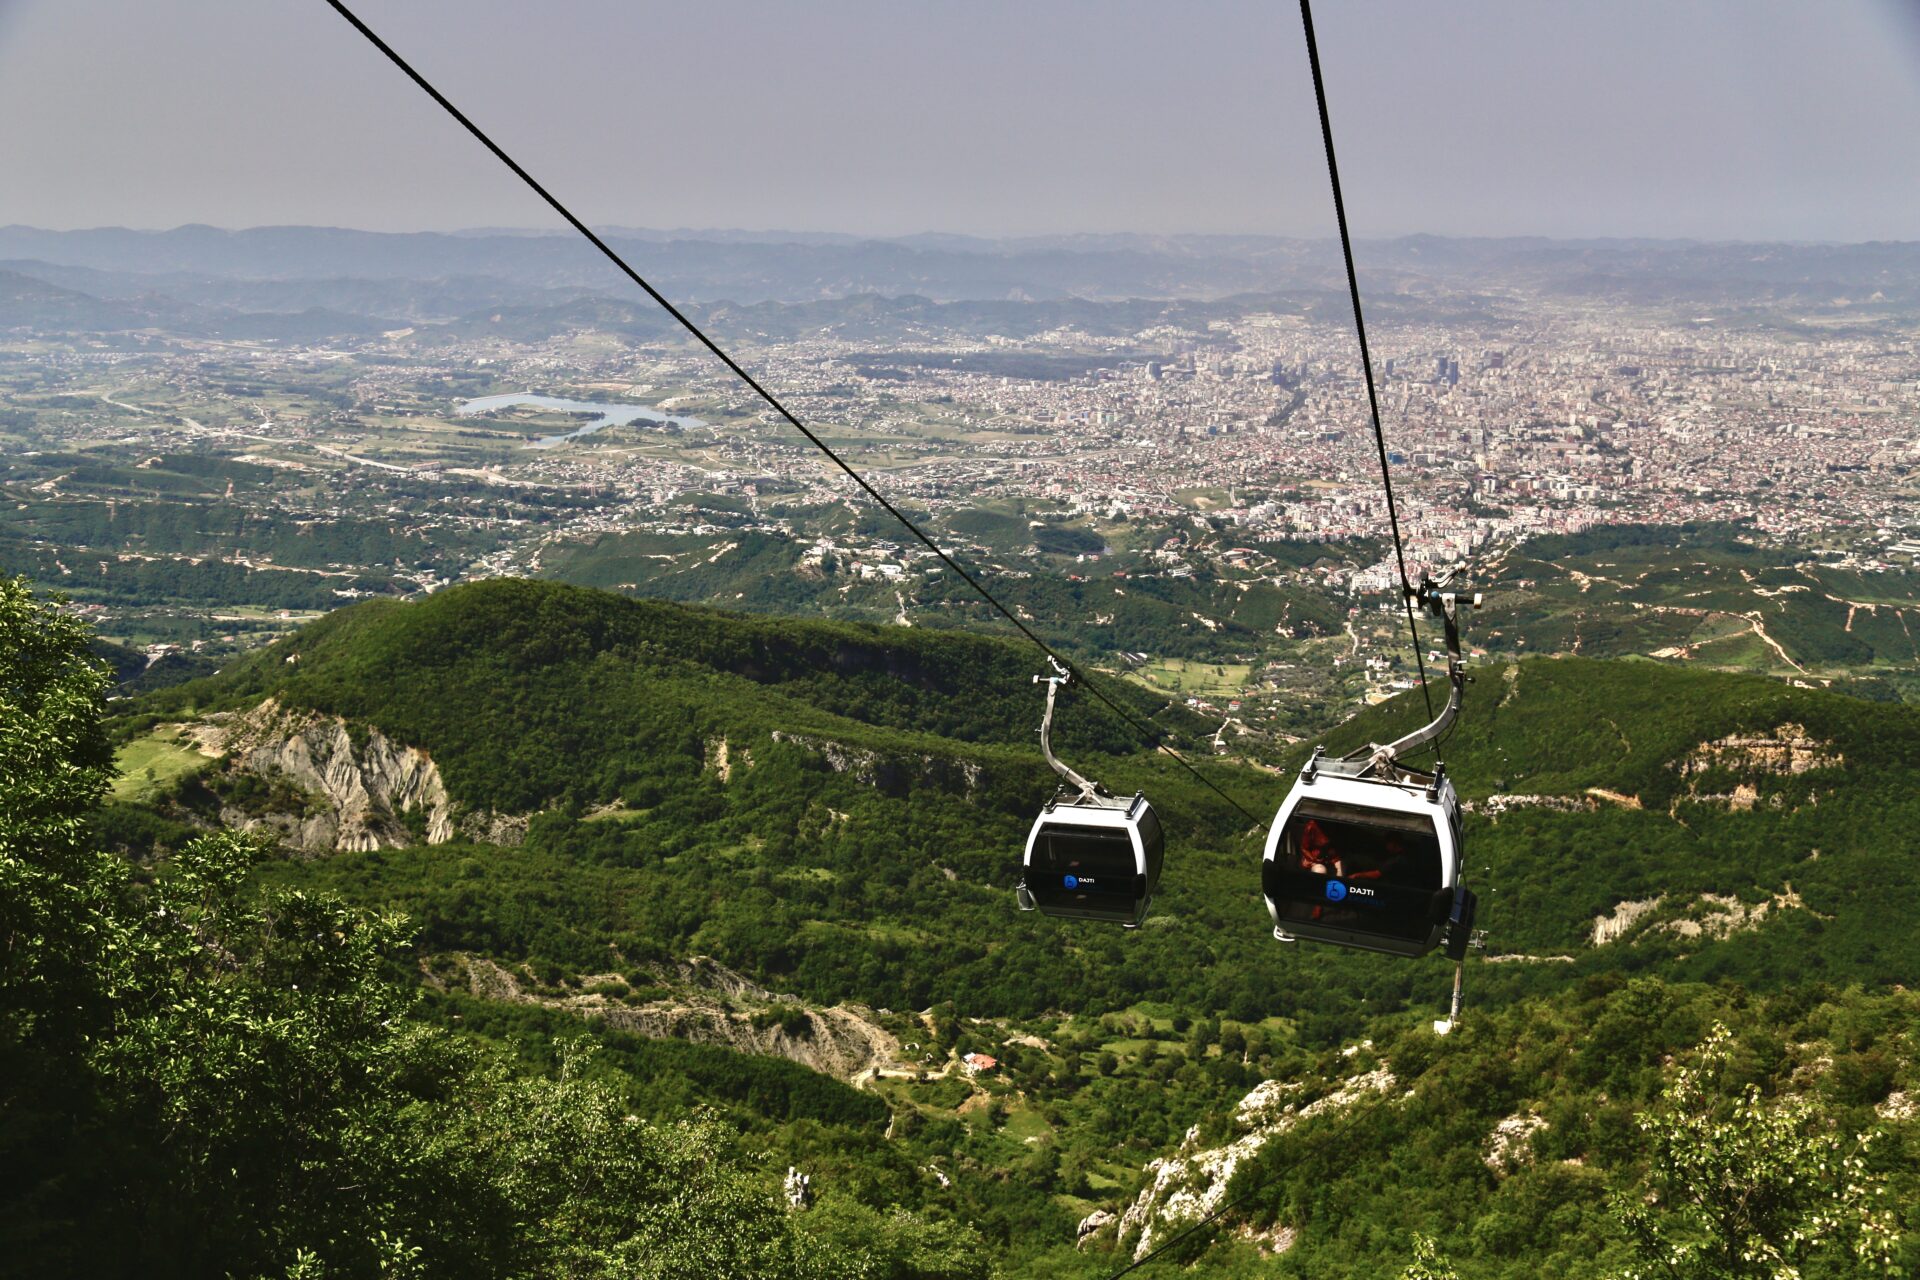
point(1090, 855)
point(1366, 851)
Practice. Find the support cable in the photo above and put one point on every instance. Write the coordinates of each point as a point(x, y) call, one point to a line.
point(1366, 359)
point(1152, 738)
point(1386, 481)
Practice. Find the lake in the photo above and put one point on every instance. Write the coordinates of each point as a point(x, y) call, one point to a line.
point(611, 415)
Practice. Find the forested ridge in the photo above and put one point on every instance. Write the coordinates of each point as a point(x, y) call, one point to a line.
point(540, 697)
point(534, 693)
point(867, 854)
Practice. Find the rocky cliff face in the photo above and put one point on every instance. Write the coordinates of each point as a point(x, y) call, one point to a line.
point(892, 774)
point(362, 790)
point(1192, 1182)
point(711, 1004)
point(1706, 915)
point(1788, 750)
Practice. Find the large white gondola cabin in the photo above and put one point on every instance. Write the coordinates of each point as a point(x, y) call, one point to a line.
point(1094, 859)
point(1364, 861)
point(1365, 852)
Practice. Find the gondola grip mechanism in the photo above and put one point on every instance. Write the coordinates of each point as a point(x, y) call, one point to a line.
point(1443, 605)
point(1062, 674)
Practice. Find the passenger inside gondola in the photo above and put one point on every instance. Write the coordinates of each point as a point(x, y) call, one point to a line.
point(1388, 866)
point(1316, 851)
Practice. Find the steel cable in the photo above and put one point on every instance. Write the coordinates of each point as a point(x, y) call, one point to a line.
point(1366, 358)
point(1152, 738)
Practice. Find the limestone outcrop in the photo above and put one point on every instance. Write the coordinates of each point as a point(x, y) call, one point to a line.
point(1495, 805)
point(343, 788)
point(1707, 915)
point(1510, 1145)
point(1191, 1183)
point(1089, 1227)
point(894, 774)
point(709, 1003)
point(1616, 924)
point(1787, 751)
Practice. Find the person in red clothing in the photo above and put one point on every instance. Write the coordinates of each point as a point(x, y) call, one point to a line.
point(1318, 856)
point(1317, 853)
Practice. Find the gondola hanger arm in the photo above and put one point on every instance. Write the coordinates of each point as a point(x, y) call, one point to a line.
point(1445, 606)
point(1062, 674)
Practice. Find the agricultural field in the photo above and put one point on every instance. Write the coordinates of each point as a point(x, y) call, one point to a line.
point(1205, 680)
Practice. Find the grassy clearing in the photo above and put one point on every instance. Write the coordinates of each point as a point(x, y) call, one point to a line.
point(1200, 679)
point(889, 932)
point(1024, 1123)
point(1744, 652)
point(615, 815)
point(150, 762)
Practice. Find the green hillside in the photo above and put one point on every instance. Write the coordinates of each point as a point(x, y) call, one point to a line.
point(1837, 823)
point(538, 697)
point(1709, 595)
point(865, 857)
point(207, 1076)
point(533, 694)
point(1146, 611)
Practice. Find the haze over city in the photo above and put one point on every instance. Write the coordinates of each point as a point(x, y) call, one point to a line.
point(1714, 119)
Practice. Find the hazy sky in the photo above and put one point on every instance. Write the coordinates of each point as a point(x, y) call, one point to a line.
point(1742, 119)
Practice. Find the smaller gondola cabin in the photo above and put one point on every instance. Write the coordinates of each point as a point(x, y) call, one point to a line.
point(1364, 861)
point(1093, 859)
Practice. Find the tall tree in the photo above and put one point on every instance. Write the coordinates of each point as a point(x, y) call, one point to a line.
point(58, 932)
point(1750, 1188)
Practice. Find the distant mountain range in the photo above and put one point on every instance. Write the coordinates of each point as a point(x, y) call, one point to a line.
point(34, 303)
point(692, 268)
point(432, 275)
point(307, 284)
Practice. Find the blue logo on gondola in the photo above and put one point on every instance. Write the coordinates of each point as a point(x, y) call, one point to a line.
point(1073, 882)
point(1335, 891)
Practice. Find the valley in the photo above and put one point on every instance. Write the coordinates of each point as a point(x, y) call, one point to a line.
point(499, 804)
point(204, 459)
